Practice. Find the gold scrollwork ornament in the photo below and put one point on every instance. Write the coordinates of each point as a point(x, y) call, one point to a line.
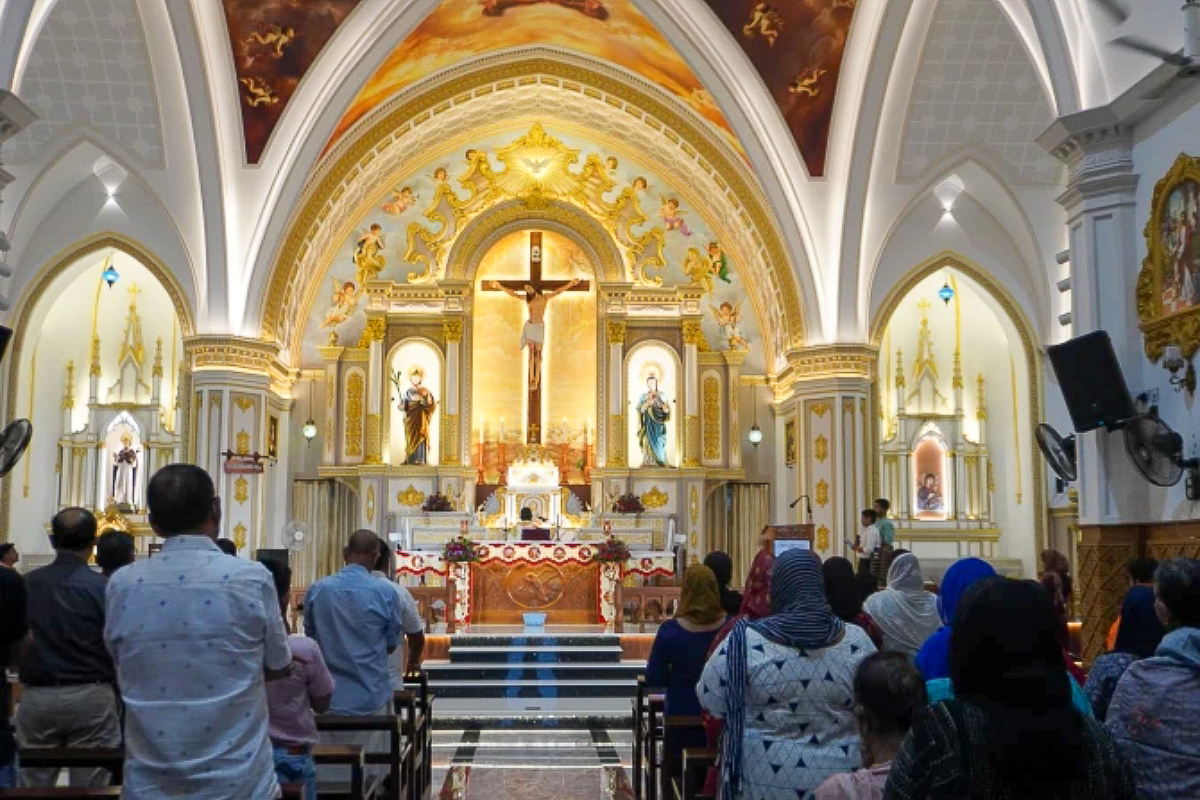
point(655, 498)
point(412, 496)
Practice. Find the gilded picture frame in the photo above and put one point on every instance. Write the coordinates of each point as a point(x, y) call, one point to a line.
point(1168, 286)
point(789, 442)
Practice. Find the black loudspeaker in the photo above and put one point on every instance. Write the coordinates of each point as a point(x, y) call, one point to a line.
point(14, 438)
point(1091, 380)
point(279, 554)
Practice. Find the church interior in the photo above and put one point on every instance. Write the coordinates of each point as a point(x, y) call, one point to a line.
point(557, 297)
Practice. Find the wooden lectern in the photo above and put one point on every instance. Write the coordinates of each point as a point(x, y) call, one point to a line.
point(780, 538)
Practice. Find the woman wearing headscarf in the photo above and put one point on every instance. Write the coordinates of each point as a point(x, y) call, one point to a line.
point(785, 688)
point(933, 659)
point(756, 604)
point(722, 566)
point(842, 591)
point(1012, 730)
point(681, 644)
point(905, 613)
point(1138, 637)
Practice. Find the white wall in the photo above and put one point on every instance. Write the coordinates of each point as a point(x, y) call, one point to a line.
point(1158, 142)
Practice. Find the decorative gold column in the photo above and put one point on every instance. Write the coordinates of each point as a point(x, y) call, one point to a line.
point(372, 338)
point(241, 390)
point(694, 342)
point(616, 392)
point(452, 328)
point(828, 389)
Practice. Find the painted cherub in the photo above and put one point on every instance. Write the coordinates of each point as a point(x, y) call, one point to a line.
point(342, 304)
point(401, 201)
point(807, 82)
point(258, 93)
point(273, 39)
point(720, 264)
point(764, 21)
point(728, 319)
point(672, 216)
point(368, 253)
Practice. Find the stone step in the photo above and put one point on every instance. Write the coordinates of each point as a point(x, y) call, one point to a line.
point(536, 721)
point(617, 687)
point(547, 672)
point(535, 640)
point(534, 653)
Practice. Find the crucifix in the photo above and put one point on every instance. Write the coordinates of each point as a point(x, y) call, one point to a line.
point(536, 293)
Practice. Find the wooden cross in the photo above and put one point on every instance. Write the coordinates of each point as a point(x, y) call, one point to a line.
point(544, 291)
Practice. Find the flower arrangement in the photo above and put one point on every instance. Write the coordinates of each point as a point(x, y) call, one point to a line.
point(437, 502)
point(612, 551)
point(628, 503)
point(460, 551)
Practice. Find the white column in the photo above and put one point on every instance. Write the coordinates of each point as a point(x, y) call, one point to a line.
point(1102, 230)
point(452, 443)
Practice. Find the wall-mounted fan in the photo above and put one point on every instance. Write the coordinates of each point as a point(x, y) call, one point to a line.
point(296, 535)
point(1187, 59)
point(1058, 450)
point(15, 437)
point(1157, 451)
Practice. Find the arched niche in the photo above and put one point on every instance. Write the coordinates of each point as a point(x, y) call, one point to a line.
point(414, 364)
point(652, 362)
point(63, 311)
point(979, 333)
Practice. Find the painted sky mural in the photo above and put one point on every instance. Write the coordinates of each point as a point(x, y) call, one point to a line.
point(274, 43)
point(460, 30)
point(797, 47)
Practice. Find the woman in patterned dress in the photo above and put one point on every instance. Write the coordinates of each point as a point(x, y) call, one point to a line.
point(785, 687)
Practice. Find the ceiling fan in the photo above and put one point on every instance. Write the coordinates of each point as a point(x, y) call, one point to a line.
point(1187, 60)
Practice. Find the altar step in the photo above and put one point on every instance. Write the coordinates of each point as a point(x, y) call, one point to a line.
point(535, 667)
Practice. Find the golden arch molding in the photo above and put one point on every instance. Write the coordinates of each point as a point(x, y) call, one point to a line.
point(301, 260)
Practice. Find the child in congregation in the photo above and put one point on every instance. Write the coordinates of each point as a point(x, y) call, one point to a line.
point(888, 690)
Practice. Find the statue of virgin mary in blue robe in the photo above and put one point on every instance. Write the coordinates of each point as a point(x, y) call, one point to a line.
point(653, 413)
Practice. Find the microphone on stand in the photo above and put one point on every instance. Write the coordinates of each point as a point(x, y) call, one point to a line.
point(807, 505)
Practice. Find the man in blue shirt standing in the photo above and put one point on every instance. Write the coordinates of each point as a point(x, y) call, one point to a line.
point(355, 619)
point(195, 634)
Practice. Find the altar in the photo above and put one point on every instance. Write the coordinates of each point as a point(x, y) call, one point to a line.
point(562, 579)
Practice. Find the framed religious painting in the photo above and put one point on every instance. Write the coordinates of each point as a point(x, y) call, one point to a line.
point(789, 442)
point(272, 436)
point(1168, 287)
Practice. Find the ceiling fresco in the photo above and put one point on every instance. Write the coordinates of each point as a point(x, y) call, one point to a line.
point(797, 47)
point(461, 30)
point(408, 233)
point(274, 43)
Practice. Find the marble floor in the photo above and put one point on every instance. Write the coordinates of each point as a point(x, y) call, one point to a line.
point(532, 764)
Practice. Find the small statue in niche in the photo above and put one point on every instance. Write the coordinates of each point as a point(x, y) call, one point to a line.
point(124, 472)
point(418, 405)
point(653, 414)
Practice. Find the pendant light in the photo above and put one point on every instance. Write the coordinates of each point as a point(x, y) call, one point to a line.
point(755, 436)
point(310, 426)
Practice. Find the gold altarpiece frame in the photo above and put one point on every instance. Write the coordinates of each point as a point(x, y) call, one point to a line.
point(1168, 288)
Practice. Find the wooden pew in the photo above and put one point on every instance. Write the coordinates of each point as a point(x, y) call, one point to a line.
point(398, 758)
point(696, 763)
point(291, 791)
point(415, 706)
point(109, 758)
point(350, 755)
point(670, 765)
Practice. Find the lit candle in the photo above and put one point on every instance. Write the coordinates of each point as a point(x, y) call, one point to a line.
point(482, 430)
point(502, 429)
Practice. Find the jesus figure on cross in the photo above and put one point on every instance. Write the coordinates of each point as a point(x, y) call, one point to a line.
point(536, 293)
